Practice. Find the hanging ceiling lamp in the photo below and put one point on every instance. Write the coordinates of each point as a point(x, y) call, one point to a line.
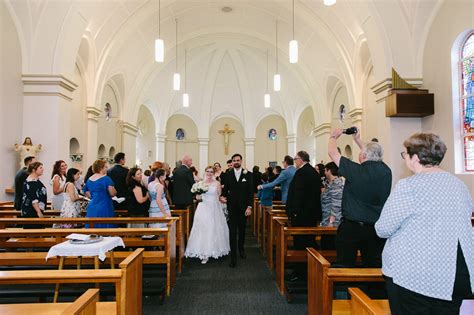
point(293, 43)
point(176, 76)
point(266, 98)
point(185, 95)
point(329, 2)
point(276, 77)
point(159, 44)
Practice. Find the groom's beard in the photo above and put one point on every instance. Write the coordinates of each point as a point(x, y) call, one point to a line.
point(236, 166)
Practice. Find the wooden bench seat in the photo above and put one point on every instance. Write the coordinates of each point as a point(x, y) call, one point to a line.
point(284, 255)
point(86, 304)
point(270, 231)
point(321, 278)
point(361, 304)
point(127, 280)
point(263, 224)
point(132, 237)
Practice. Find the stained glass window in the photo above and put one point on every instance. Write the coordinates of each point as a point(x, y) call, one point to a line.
point(467, 100)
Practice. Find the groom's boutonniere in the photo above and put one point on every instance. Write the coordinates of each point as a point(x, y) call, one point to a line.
point(245, 172)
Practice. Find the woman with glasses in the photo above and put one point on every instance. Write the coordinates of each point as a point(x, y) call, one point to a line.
point(428, 259)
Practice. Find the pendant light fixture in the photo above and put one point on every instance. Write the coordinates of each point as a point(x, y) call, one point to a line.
point(276, 77)
point(159, 43)
point(293, 43)
point(176, 76)
point(329, 2)
point(266, 98)
point(185, 95)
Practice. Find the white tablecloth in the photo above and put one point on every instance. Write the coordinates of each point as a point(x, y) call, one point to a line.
point(94, 249)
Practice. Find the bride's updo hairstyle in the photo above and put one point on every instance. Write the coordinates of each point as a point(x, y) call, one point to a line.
point(209, 167)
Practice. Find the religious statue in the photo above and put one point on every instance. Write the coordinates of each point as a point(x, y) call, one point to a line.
point(226, 132)
point(27, 149)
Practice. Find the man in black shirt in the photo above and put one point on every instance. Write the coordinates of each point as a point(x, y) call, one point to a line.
point(118, 174)
point(366, 189)
point(20, 178)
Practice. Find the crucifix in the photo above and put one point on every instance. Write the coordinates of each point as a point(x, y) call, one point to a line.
point(226, 132)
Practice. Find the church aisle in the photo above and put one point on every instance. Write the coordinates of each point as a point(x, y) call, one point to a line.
point(215, 288)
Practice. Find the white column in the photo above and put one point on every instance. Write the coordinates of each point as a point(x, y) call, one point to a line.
point(203, 154)
point(291, 144)
point(249, 160)
point(321, 137)
point(46, 114)
point(129, 142)
point(160, 147)
point(394, 131)
point(92, 129)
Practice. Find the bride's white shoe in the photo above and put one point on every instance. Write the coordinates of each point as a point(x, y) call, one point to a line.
point(204, 261)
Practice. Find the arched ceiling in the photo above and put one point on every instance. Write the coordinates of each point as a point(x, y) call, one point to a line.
point(226, 50)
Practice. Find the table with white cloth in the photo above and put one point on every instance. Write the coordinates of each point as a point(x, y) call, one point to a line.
point(97, 250)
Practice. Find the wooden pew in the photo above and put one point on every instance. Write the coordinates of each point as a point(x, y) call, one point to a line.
point(283, 255)
point(12, 213)
point(321, 278)
point(361, 304)
point(254, 214)
point(127, 280)
point(5, 222)
point(86, 304)
point(270, 233)
point(45, 238)
point(277, 210)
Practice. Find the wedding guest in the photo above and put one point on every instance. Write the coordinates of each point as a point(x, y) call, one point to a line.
point(71, 207)
point(20, 178)
point(34, 194)
point(58, 180)
point(154, 167)
point(428, 260)
point(331, 199)
point(195, 174)
point(320, 168)
point(217, 171)
point(100, 189)
point(159, 205)
point(89, 173)
point(265, 195)
point(118, 174)
point(139, 196)
point(285, 178)
point(257, 177)
point(183, 180)
point(168, 183)
point(276, 172)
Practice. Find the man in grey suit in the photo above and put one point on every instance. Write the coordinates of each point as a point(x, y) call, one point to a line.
point(284, 179)
point(183, 180)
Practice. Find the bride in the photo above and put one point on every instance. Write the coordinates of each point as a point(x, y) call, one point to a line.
point(209, 234)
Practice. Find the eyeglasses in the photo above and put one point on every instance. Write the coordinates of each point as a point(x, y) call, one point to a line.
point(403, 155)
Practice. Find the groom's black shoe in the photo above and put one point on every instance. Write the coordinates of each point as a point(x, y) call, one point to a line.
point(242, 254)
point(232, 264)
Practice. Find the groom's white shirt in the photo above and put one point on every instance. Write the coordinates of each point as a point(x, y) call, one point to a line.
point(237, 173)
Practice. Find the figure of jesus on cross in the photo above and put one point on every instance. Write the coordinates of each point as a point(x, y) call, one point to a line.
point(226, 132)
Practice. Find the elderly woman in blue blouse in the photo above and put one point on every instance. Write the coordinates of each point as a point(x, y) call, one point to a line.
point(428, 260)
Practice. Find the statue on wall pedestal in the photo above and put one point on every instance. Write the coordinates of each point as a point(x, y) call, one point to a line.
point(27, 149)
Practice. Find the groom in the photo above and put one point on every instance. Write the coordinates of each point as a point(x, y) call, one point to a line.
point(238, 193)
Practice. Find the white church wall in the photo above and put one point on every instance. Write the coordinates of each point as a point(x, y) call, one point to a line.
point(304, 139)
point(267, 150)
point(78, 120)
point(216, 141)
point(341, 98)
point(454, 18)
point(11, 102)
point(146, 138)
point(175, 149)
point(108, 133)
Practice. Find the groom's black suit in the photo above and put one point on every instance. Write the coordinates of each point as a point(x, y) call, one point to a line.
point(239, 194)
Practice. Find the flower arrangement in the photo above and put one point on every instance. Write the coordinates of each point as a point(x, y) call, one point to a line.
point(199, 188)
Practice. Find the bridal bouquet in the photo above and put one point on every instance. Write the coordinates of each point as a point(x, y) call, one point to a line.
point(199, 188)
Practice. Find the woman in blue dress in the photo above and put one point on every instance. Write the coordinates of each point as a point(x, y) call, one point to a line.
point(100, 189)
point(159, 205)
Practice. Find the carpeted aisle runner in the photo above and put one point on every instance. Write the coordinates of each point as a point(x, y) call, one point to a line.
point(215, 288)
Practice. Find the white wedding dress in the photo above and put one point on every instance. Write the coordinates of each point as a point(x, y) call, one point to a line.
point(209, 234)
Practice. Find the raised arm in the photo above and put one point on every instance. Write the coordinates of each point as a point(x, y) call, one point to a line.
point(332, 146)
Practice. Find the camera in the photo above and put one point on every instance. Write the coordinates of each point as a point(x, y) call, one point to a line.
point(350, 130)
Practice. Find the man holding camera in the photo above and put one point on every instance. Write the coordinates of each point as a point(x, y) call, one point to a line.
point(366, 189)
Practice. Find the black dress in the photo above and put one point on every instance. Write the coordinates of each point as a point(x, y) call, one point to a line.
point(33, 192)
point(136, 209)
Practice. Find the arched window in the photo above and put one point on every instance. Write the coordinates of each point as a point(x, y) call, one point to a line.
point(466, 65)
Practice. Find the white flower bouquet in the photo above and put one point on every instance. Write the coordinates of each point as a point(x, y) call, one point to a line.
point(199, 188)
